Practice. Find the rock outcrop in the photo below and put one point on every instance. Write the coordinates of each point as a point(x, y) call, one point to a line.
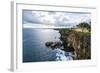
point(80, 41)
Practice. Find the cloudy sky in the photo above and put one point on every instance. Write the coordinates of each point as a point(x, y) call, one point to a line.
point(51, 18)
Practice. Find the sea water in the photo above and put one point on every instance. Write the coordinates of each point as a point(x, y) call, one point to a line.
point(34, 49)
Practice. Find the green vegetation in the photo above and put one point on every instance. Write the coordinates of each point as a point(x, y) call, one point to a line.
point(80, 41)
point(84, 25)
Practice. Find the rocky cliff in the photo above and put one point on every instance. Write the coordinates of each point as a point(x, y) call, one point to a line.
point(79, 41)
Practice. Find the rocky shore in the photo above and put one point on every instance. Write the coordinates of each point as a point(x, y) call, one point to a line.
point(80, 43)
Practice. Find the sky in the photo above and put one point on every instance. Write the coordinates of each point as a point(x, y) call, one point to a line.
point(33, 18)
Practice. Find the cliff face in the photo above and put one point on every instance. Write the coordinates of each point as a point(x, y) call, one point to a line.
point(79, 41)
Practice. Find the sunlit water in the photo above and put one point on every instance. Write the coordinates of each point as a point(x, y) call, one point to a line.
point(34, 49)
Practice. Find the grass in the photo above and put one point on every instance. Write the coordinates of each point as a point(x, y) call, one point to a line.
point(78, 38)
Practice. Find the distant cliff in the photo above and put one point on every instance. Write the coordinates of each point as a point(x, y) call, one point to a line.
point(80, 41)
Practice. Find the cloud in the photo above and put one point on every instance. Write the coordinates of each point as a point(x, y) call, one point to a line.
point(31, 17)
point(55, 18)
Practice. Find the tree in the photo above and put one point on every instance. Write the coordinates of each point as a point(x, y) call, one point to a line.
point(84, 25)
